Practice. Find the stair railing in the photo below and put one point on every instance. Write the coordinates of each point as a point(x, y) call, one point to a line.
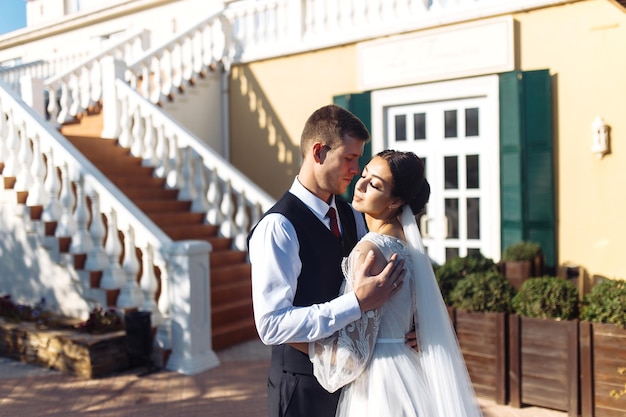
point(65, 199)
point(184, 58)
point(78, 89)
point(229, 198)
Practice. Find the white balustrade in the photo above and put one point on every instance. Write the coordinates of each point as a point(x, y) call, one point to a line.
point(52, 209)
point(66, 226)
point(12, 148)
point(200, 203)
point(186, 191)
point(130, 294)
point(242, 223)
point(227, 208)
point(37, 195)
point(24, 178)
point(81, 241)
point(214, 199)
point(113, 276)
point(96, 257)
point(149, 286)
point(173, 179)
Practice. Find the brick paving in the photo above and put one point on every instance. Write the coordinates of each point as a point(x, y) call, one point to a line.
point(235, 388)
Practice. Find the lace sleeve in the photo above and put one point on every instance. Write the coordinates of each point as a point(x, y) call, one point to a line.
point(339, 359)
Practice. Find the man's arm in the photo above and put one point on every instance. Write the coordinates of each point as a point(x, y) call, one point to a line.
point(274, 255)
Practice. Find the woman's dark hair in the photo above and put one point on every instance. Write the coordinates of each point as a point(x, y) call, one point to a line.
point(409, 182)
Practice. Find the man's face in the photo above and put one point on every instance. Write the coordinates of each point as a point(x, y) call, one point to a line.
point(340, 165)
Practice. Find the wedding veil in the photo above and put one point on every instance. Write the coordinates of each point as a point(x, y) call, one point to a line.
point(440, 355)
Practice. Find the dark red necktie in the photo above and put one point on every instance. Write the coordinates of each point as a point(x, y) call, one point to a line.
point(334, 227)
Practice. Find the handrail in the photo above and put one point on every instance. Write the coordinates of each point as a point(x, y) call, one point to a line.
point(110, 196)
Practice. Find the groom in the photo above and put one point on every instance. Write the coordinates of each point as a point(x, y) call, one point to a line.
point(296, 263)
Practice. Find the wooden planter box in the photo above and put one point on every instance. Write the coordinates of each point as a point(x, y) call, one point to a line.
point(483, 340)
point(517, 272)
point(602, 353)
point(543, 363)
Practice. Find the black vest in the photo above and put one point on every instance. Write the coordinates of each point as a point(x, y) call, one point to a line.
point(321, 254)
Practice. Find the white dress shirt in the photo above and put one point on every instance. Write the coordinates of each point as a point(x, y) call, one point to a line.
point(276, 265)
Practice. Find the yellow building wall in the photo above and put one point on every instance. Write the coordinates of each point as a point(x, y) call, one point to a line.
point(269, 103)
point(582, 44)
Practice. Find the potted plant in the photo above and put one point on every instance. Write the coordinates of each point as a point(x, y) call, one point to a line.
point(543, 345)
point(481, 303)
point(455, 269)
point(521, 261)
point(603, 349)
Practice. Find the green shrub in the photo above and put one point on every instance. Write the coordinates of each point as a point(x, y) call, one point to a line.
point(547, 297)
point(521, 251)
point(606, 303)
point(455, 269)
point(483, 291)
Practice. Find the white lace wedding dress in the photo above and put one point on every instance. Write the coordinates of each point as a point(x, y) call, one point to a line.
point(381, 375)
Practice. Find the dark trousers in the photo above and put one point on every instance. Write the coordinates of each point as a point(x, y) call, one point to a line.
point(292, 391)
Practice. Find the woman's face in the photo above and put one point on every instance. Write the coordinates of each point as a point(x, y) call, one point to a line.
point(372, 193)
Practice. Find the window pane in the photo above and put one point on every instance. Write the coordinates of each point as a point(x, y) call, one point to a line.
point(400, 128)
point(452, 253)
point(450, 126)
point(473, 218)
point(419, 126)
point(471, 163)
point(451, 168)
point(473, 251)
point(452, 216)
point(471, 122)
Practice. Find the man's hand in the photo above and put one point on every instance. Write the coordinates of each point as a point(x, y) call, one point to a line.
point(411, 340)
point(373, 290)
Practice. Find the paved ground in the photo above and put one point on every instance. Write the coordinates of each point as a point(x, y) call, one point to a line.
point(235, 388)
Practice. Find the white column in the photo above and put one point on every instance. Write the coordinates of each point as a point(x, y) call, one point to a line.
point(112, 69)
point(190, 308)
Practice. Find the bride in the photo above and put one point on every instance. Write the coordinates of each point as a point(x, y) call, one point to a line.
point(380, 374)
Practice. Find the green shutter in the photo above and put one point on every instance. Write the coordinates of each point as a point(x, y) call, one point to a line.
point(360, 105)
point(526, 161)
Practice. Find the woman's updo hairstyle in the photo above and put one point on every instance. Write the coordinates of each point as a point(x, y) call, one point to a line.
point(409, 182)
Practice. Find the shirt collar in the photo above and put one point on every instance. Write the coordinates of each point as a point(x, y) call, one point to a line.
point(316, 204)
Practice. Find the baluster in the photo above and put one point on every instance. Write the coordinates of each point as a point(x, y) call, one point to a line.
point(173, 176)
point(130, 295)
point(157, 80)
point(162, 152)
point(37, 195)
point(186, 191)
point(149, 286)
point(53, 106)
point(227, 228)
point(24, 178)
point(167, 69)
point(199, 204)
point(95, 85)
point(81, 242)
point(13, 146)
point(242, 222)
point(67, 224)
point(74, 85)
point(149, 156)
point(64, 103)
point(52, 210)
point(177, 65)
point(145, 81)
point(136, 147)
point(214, 198)
point(112, 276)
point(96, 258)
point(255, 214)
point(126, 121)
